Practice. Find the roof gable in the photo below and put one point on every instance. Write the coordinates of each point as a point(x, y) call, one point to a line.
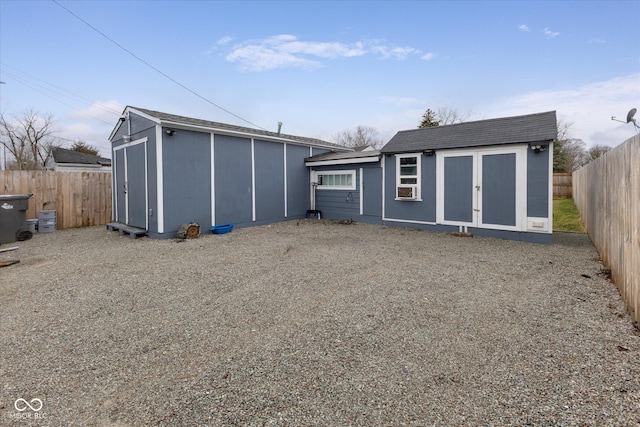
point(538, 127)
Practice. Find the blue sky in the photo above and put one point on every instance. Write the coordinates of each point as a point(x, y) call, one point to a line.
point(322, 67)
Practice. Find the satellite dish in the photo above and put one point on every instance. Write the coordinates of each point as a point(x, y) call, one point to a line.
point(630, 115)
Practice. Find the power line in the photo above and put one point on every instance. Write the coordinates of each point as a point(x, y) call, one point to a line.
point(58, 89)
point(154, 68)
point(31, 86)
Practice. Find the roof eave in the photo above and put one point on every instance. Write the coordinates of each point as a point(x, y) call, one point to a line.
point(334, 162)
point(189, 126)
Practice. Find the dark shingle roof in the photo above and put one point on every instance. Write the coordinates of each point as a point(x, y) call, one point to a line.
point(538, 127)
point(62, 155)
point(172, 118)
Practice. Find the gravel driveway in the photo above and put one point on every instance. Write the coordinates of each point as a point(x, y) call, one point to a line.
point(313, 323)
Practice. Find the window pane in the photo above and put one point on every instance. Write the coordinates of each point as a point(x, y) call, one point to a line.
point(408, 181)
point(408, 170)
point(349, 180)
point(408, 161)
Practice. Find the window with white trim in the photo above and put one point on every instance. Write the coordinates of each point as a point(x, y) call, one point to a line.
point(336, 180)
point(408, 176)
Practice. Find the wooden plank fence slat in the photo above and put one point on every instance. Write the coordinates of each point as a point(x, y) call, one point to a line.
point(562, 188)
point(607, 194)
point(80, 199)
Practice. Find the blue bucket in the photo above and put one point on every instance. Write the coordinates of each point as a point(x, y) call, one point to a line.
point(221, 229)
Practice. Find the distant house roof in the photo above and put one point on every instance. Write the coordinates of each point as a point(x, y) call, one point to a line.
point(333, 158)
point(540, 127)
point(166, 119)
point(63, 156)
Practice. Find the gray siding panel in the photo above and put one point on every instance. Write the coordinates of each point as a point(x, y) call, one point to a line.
point(499, 189)
point(119, 186)
point(345, 204)
point(233, 179)
point(136, 182)
point(372, 189)
point(298, 185)
point(187, 179)
point(338, 204)
point(411, 210)
point(458, 188)
point(138, 124)
point(538, 184)
point(269, 169)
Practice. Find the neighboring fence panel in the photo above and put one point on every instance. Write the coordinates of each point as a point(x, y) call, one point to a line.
point(80, 198)
point(562, 188)
point(607, 195)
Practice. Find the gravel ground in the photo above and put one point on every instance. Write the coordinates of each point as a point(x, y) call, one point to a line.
point(311, 323)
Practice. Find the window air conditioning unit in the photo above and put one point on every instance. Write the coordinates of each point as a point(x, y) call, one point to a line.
point(407, 192)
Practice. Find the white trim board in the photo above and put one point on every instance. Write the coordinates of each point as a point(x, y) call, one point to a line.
point(520, 151)
point(343, 161)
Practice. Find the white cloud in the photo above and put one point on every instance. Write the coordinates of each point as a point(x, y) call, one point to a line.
point(224, 40)
point(596, 41)
point(524, 28)
point(428, 56)
point(589, 107)
point(261, 58)
point(286, 50)
point(394, 52)
point(551, 34)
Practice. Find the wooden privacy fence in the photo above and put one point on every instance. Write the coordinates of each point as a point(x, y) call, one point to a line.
point(607, 195)
point(562, 188)
point(79, 198)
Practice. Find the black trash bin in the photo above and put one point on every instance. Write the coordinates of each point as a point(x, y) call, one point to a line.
point(13, 218)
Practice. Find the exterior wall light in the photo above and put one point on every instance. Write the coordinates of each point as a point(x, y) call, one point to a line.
point(170, 132)
point(537, 148)
point(429, 152)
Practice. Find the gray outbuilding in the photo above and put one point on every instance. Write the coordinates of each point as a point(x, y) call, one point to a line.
point(169, 170)
point(488, 178)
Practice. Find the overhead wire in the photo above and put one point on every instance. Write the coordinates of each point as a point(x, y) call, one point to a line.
point(28, 80)
point(60, 90)
point(155, 68)
point(35, 88)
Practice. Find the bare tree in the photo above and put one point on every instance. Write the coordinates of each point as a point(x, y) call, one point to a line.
point(28, 139)
point(597, 151)
point(569, 154)
point(575, 153)
point(361, 137)
point(444, 116)
point(450, 116)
